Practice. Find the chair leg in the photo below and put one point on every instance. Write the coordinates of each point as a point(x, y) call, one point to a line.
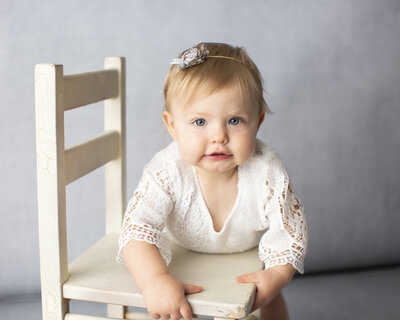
point(54, 307)
point(116, 311)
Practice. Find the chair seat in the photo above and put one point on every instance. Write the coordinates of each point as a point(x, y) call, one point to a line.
point(96, 276)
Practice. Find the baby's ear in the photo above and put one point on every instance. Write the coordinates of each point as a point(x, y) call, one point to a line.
point(169, 123)
point(261, 119)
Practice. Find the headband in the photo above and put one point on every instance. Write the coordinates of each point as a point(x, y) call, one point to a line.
point(194, 56)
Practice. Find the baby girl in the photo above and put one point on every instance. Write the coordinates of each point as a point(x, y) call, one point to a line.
point(216, 188)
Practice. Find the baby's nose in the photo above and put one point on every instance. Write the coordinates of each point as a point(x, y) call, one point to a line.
point(219, 135)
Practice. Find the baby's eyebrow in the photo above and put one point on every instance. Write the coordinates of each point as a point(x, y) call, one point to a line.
point(204, 114)
point(187, 114)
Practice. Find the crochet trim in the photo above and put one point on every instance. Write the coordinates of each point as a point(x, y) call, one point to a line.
point(144, 232)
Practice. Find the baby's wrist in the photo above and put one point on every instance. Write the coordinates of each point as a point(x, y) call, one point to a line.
point(282, 275)
point(155, 278)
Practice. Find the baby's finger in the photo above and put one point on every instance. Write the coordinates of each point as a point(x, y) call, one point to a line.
point(176, 316)
point(191, 288)
point(154, 315)
point(186, 311)
point(244, 278)
point(165, 316)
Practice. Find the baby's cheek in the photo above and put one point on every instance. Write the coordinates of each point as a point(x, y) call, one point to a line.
point(247, 149)
point(188, 151)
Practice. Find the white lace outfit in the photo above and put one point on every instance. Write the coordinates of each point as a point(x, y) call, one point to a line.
point(168, 204)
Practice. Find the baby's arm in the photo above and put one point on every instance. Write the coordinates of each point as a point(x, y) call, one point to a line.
point(284, 245)
point(163, 295)
point(269, 283)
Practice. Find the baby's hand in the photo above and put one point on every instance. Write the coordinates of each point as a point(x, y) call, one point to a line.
point(268, 282)
point(164, 297)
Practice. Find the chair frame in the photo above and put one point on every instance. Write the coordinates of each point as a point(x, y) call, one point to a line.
point(58, 166)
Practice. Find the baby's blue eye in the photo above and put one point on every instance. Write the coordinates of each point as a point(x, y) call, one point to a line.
point(235, 121)
point(200, 122)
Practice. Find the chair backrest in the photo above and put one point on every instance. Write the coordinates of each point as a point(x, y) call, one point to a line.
point(58, 166)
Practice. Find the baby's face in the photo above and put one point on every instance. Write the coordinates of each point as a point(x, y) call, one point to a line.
point(215, 133)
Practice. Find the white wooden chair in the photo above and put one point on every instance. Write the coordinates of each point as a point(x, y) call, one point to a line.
point(95, 275)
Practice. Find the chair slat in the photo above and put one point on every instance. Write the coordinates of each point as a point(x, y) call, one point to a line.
point(82, 158)
point(84, 88)
point(76, 316)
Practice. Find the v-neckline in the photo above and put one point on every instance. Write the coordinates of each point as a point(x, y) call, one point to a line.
point(204, 205)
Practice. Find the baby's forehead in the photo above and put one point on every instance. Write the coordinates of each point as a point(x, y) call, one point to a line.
point(203, 105)
point(232, 93)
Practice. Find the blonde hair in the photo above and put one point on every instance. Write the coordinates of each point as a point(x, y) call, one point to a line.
point(213, 74)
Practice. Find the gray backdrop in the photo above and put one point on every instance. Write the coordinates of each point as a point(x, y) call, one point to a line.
point(331, 69)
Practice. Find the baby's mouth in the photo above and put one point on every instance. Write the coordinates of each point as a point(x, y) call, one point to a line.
point(218, 156)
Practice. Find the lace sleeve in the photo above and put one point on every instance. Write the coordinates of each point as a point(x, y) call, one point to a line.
point(286, 239)
point(147, 212)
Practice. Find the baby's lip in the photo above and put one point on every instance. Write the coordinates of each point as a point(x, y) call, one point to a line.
point(218, 153)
